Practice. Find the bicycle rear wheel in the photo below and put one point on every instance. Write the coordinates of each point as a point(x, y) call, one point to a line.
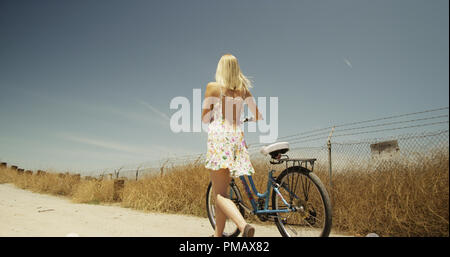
point(302, 189)
point(231, 230)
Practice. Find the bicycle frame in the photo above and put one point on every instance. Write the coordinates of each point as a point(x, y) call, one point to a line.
point(271, 183)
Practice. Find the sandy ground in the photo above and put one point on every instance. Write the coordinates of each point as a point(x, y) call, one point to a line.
point(23, 213)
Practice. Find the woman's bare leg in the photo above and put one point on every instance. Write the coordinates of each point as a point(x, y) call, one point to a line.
point(219, 214)
point(224, 206)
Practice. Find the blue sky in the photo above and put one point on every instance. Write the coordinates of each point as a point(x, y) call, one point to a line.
point(87, 84)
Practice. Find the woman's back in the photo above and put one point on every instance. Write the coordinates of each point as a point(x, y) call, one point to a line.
point(232, 104)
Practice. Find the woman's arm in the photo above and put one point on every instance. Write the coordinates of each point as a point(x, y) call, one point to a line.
point(250, 100)
point(211, 97)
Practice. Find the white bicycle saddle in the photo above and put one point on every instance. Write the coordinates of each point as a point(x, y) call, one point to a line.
point(275, 149)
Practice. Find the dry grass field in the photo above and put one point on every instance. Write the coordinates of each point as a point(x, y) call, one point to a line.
point(396, 199)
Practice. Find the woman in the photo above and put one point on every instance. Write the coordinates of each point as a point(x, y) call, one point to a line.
point(227, 153)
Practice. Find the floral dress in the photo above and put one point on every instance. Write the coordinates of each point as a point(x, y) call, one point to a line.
point(226, 146)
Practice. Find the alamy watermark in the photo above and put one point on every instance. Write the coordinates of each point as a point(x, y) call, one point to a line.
point(182, 120)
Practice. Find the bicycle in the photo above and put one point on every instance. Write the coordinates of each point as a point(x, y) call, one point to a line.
point(294, 213)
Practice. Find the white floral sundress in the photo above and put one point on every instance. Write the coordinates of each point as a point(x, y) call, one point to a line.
point(226, 146)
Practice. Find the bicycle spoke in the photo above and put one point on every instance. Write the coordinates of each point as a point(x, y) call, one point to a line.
point(307, 223)
point(308, 186)
point(291, 180)
point(305, 187)
point(292, 229)
point(315, 219)
point(296, 183)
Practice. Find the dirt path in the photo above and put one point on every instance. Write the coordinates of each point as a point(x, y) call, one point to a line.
point(23, 213)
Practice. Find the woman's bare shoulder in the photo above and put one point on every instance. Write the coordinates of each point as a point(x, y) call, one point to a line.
point(213, 88)
point(213, 84)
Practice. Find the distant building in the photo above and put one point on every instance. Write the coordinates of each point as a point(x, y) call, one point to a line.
point(384, 150)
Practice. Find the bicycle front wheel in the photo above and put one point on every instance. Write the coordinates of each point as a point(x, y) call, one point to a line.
point(303, 190)
point(231, 230)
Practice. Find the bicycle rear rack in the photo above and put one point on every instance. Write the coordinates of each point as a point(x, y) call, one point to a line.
point(302, 162)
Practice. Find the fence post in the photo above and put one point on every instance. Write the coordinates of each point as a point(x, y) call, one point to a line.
point(329, 157)
point(118, 187)
point(162, 167)
point(116, 172)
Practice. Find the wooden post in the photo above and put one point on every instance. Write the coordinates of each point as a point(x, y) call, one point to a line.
point(77, 177)
point(118, 187)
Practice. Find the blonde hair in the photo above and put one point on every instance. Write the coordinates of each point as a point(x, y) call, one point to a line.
point(229, 74)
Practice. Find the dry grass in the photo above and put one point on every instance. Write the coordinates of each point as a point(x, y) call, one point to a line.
point(51, 183)
point(76, 188)
point(94, 192)
point(182, 190)
point(396, 199)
